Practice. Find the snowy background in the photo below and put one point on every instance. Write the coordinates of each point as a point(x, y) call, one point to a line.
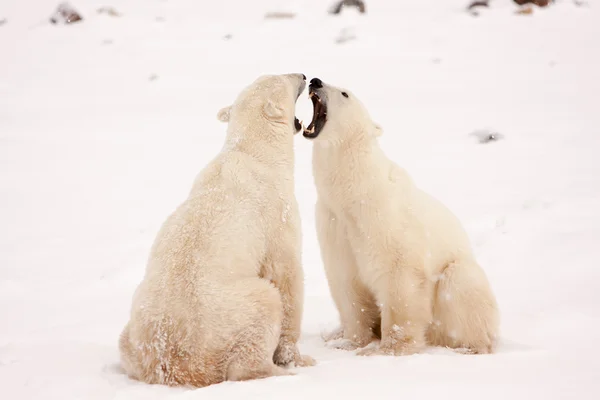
point(105, 123)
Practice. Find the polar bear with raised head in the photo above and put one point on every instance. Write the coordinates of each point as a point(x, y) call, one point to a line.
point(399, 264)
point(222, 295)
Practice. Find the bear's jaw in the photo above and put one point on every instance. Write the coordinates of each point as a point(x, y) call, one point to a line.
point(319, 116)
point(297, 125)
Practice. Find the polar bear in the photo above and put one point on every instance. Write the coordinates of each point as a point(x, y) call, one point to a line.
point(222, 295)
point(399, 265)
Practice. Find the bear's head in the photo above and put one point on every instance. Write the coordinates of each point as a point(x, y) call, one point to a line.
point(338, 115)
point(268, 102)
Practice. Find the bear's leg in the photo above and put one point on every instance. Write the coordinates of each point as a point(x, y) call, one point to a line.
point(251, 356)
point(406, 312)
point(288, 278)
point(465, 313)
point(356, 305)
point(361, 319)
point(129, 359)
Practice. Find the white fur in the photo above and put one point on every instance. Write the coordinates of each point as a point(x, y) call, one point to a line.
point(223, 291)
point(399, 264)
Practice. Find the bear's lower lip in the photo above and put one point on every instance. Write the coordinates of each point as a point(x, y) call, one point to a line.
point(319, 116)
point(297, 124)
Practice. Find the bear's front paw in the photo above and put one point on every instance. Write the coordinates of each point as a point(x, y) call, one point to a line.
point(389, 349)
point(287, 353)
point(371, 350)
point(335, 334)
point(353, 342)
point(304, 361)
point(343, 344)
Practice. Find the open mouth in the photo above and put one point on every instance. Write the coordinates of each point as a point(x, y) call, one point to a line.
point(297, 123)
point(319, 116)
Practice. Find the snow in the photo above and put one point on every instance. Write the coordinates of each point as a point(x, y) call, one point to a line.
point(105, 123)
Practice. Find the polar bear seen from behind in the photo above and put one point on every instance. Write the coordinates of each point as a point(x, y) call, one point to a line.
point(222, 295)
point(399, 265)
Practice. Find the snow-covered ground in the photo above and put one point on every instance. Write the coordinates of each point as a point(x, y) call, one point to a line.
point(105, 123)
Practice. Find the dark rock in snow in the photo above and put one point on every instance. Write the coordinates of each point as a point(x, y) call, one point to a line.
point(337, 7)
point(475, 6)
point(65, 14)
point(539, 3)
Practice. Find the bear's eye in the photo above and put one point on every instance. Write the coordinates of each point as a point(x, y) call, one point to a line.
point(345, 94)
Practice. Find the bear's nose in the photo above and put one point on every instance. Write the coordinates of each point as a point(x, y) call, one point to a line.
point(316, 83)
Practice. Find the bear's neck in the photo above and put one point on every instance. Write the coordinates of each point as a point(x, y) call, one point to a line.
point(275, 149)
point(336, 168)
point(328, 156)
point(363, 143)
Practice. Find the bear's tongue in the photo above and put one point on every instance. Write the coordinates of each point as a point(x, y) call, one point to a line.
point(318, 112)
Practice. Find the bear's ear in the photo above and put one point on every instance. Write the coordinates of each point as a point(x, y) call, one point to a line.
point(223, 114)
point(378, 130)
point(272, 110)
